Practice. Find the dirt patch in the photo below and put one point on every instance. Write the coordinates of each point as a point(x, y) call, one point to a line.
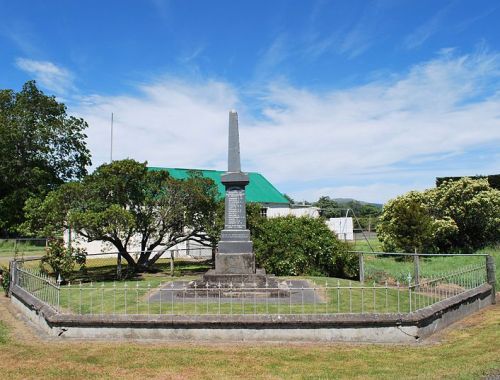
point(19, 330)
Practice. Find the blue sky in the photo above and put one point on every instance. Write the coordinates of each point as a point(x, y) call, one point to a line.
point(364, 99)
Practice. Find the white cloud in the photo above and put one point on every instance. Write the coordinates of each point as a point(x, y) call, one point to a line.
point(429, 111)
point(366, 141)
point(277, 53)
point(173, 123)
point(48, 74)
point(426, 30)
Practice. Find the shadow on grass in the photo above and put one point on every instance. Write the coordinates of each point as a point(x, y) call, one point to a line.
point(105, 270)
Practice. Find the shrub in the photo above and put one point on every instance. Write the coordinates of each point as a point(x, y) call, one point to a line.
point(290, 246)
point(62, 260)
point(5, 279)
point(406, 223)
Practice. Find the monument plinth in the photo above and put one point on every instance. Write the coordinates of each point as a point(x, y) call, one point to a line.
point(235, 260)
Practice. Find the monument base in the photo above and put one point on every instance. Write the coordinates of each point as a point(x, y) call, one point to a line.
point(235, 263)
point(259, 279)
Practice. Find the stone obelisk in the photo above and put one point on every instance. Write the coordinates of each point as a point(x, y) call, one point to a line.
point(235, 252)
point(235, 260)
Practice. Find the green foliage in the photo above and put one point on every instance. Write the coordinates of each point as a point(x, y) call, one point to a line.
point(406, 224)
point(474, 207)
point(123, 203)
point(493, 180)
point(328, 207)
point(41, 147)
point(62, 260)
point(290, 246)
point(5, 279)
point(461, 215)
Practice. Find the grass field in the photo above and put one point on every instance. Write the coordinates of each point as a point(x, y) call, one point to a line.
point(471, 350)
point(132, 297)
point(378, 268)
point(27, 247)
point(10, 249)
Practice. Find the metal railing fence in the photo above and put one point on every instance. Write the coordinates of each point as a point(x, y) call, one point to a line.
point(108, 266)
point(291, 297)
point(377, 265)
point(38, 284)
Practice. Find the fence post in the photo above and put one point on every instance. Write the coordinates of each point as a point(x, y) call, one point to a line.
point(490, 275)
point(361, 267)
point(16, 249)
point(119, 266)
point(416, 267)
point(13, 275)
point(172, 263)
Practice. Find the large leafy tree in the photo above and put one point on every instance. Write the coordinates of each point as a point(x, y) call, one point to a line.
point(329, 208)
point(41, 147)
point(124, 204)
point(462, 215)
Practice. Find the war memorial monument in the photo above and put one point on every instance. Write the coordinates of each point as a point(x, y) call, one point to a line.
point(235, 259)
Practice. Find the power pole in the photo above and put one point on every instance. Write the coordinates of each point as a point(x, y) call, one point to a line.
point(111, 148)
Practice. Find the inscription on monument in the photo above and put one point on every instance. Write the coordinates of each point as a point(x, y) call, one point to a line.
point(235, 209)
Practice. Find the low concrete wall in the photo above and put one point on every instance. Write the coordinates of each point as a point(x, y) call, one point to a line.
point(387, 328)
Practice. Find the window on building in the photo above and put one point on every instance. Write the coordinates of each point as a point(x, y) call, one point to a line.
point(263, 212)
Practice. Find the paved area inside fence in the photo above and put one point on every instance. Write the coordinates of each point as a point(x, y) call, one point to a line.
point(290, 292)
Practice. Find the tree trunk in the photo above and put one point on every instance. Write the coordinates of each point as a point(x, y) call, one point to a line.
point(132, 266)
point(157, 255)
point(144, 263)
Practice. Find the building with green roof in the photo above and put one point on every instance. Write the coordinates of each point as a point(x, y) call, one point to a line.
point(259, 189)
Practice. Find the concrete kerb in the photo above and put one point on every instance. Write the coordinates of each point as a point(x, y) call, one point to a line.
point(380, 328)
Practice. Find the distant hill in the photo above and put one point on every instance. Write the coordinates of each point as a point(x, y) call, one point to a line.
point(344, 201)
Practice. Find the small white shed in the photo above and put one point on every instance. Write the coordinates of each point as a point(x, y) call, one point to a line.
point(343, 227)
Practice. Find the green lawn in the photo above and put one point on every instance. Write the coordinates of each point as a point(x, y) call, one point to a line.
point(363, 245)
point(3, 332)
point(9, 249)
point(334, 296)
point(132, 295)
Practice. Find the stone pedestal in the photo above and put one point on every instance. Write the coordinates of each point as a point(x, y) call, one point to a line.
point(235, 254)
point(235, 251)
